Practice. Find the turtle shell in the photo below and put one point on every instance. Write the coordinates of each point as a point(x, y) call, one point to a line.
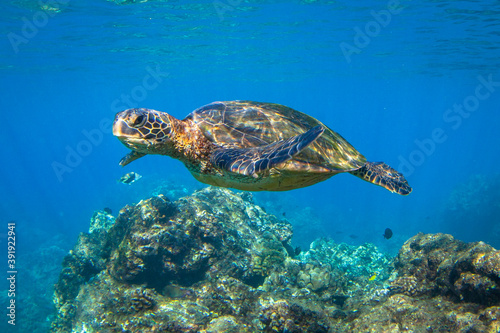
point(245, 124)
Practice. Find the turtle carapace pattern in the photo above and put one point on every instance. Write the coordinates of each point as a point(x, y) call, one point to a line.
point(250, 146)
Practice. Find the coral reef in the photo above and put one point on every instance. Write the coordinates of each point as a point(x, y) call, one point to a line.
point(101, 220)
point(307, 222)
point(469, 194)
point(38, 261)
point(356, 262)
point(476, 199)
point(441, 265)
point(167, 248)
point(215, 262)
point(170, 188)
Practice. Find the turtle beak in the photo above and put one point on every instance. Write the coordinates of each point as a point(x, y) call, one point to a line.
point(118, 127)
point(121, 128)
point(129, 136)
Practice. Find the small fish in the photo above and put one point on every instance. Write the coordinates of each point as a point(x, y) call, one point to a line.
point(130, 178)
point(353, 236)
point(284, 214)
point(388, 233)
point(290, 250)
point(108, 210)
point(297, 250)
point(373, 277)
point(175, 291)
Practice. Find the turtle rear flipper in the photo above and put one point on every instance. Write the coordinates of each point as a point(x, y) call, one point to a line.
point(249, 161)
point(381, 174)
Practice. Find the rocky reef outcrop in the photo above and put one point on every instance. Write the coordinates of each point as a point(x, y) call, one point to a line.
point(215, 262)
point(441, 285)
point(438, 264)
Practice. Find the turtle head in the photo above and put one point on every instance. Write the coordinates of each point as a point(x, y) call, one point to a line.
point(144, 131)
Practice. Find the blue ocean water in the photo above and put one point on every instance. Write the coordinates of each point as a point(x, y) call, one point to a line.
point(413, 84)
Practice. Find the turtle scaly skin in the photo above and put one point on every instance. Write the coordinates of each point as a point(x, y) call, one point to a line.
point(250, 146)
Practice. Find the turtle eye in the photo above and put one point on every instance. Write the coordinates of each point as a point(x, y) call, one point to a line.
point(139, 121)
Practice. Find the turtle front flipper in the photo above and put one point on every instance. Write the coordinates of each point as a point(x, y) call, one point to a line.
point(130, 157)
point(250, 161)
point(383, 175)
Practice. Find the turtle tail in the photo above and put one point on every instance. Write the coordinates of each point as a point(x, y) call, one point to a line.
point(383, 175)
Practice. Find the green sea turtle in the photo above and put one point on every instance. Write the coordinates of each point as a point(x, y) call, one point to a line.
point(250, 146)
